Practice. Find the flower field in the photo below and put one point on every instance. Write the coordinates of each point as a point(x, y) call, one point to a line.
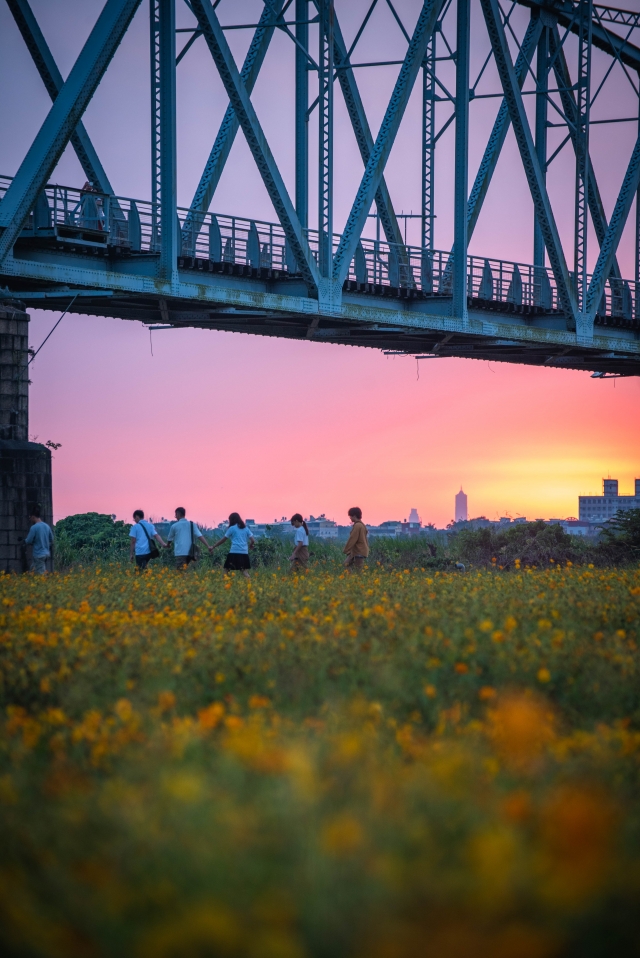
point(389, 765)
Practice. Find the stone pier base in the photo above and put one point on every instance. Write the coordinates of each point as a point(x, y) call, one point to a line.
point(25, 467)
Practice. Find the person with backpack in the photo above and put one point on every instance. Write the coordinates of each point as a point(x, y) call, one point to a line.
point(241, 541)
point(141, 536)
point(299, 558)
point(186, 537)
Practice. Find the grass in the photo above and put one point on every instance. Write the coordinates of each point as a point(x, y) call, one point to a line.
point(384, 765)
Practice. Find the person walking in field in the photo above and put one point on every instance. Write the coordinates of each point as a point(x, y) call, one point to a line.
point(357, 547)
point(40, 537)
point(186, 537)
point(299, 558)
point(241, 541)
point(142, 549)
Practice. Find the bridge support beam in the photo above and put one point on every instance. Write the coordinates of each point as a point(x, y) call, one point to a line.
point(302, 107)
point(169, 247)
point(256, 140)
point(524, 139)
point(459, 304)
point(25, 467)
point(542, 110)
point(386, 136)
point(52, 79)
point(63, 118)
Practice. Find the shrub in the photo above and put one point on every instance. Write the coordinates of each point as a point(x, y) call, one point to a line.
point(620, 540)
point(533, 543)
point(90, 536)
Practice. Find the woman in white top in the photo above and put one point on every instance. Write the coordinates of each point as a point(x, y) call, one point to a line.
point(299, 558)
point(241, 541)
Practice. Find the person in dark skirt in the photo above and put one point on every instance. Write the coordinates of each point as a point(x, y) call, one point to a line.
point(241, 541)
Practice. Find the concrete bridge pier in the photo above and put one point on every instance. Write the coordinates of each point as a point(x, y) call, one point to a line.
point(25, 467)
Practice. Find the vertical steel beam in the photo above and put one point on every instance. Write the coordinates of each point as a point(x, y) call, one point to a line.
point(637, 249)
point(65, 114)
point(459, 303)
point(542, 104)
point(154, 60)
point(583, 104)
point(325, 138)
point(302, 107)
point(168, 149)
point(428, 145)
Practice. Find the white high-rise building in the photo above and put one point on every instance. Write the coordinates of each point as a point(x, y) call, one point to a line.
point(461, 506)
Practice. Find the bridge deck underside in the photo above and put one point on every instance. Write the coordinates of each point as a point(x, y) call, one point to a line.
point(494, 332)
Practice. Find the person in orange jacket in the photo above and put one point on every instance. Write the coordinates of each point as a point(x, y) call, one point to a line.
point(357, 547)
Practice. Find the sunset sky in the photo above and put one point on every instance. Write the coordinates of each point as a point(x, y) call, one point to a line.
point(219, 421)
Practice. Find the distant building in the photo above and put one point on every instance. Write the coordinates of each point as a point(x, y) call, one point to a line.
point(604, 507)
point(390, 529)
point(322, 527)
point(461, 506)
point(413, 525)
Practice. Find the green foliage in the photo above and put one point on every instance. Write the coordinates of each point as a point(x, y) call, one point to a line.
point(415, 552)
point(533, 543)
point(620, 541)
point(90, 537)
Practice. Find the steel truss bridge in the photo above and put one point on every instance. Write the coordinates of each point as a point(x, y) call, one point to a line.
point(148, 260)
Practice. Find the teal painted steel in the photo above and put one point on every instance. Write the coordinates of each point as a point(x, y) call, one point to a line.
point(63, 118)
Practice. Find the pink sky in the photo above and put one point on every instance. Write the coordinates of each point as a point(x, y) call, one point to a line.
point(218, 421)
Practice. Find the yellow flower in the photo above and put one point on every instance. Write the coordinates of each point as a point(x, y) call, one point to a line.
point(544, 675)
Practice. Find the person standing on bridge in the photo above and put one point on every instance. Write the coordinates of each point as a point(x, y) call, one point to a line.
point(142, 549)
point(186, 537)
point(357, 547)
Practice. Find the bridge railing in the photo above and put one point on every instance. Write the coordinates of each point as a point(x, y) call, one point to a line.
point(134, 225)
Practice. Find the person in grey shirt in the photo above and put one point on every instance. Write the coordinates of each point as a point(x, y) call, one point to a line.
point(41, 538)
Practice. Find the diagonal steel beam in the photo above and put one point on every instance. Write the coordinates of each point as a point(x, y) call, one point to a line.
point(568, 100)
point(501, 128)
point(241, 102)
point(362, 132)
point(229, 126)
point(517, 112)
point(63, 118)
point(52, 79)
point(386, 136)
point(611, 239)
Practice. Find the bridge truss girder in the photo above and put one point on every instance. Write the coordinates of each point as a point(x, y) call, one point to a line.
point(325, 273)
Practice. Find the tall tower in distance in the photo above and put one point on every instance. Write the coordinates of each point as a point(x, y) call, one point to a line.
point(461, 506)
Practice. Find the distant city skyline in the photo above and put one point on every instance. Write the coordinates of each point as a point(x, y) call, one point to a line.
point(592, 508)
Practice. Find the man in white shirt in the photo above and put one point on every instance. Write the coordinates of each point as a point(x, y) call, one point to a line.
point(184, 535)
point(140, 536)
